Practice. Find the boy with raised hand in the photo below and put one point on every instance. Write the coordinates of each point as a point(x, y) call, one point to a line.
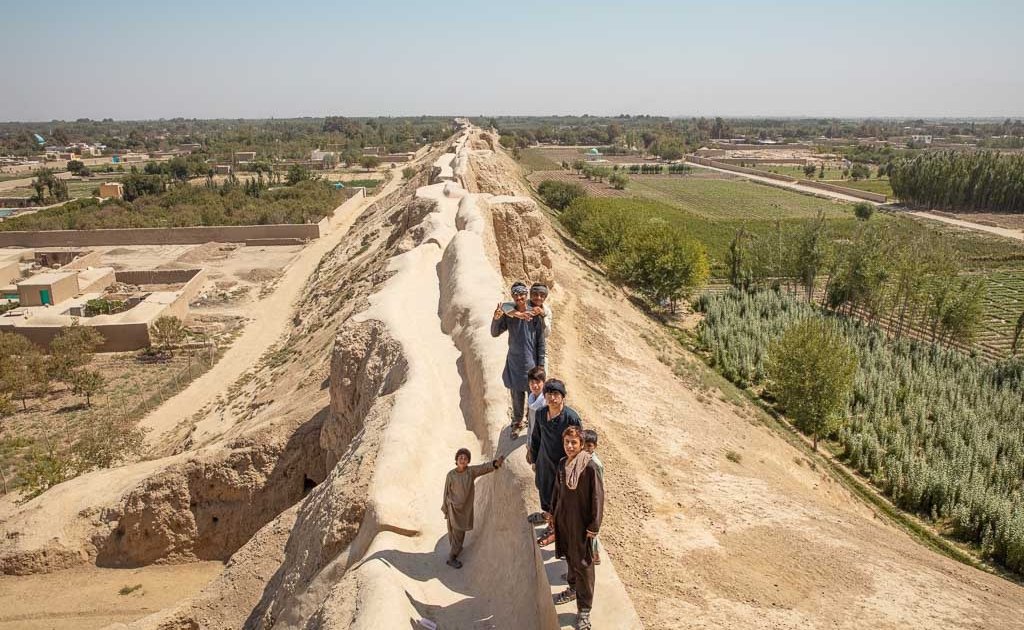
point(457, 506)
point(527, 345)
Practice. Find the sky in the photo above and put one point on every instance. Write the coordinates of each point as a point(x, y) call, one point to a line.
point(257, 59)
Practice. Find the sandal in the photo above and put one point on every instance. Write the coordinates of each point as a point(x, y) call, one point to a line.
point(546, 539)
point(454, 563)
point(566, 596)
point(583, 620)
point(536, 518)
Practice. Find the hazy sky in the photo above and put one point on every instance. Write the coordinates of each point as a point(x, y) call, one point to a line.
point(206, 59)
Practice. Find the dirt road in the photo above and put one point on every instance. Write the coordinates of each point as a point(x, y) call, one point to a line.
point(991, 229)
point(271, 318)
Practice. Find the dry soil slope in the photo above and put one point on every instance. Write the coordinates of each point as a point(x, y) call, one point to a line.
point(703, 542)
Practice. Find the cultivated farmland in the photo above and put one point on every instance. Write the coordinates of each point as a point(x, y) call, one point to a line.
point(734, 199)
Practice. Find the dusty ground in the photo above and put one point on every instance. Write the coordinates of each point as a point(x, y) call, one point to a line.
point(86, 598)
point(704, 542)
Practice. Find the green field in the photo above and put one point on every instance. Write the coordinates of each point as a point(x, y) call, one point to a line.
point(734, 199)
point(1004, 303)
point(833, 176)
point(535, 160)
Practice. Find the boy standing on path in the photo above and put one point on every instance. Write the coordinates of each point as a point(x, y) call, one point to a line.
point(546, 446)
point(578, 511)
point(590, 446)
point(459, 493)
point(526, 349)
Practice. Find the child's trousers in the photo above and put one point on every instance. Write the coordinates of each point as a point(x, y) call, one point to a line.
point(455, 539)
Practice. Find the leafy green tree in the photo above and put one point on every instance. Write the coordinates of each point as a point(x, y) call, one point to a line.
point(860, 171)
point(559, 195)
point(22, 368)
point(809, 170)
point(106, 441)
point(166, 332)
point(660, 262)
point(75, 166)
point(87, 383)
point(297, 173)
point(670, 152)
point(1017, 330)
point(863, 210)
point(618, 180)
point(811, 251)
point(369, 162)
point(72, 348)
point(811, 370)
point(45, 468)
point(737, 261)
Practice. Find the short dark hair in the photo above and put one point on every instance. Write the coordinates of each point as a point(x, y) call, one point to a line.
point(590, 436)
point(554, 385)
point(574, 431)
point(536, 373)
point(463, 451)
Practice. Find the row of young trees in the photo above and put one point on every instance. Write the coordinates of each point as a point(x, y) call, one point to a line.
point(940, 432)
point(910, 278)
point(658, 260)
point(27, 373)
point(984, 181)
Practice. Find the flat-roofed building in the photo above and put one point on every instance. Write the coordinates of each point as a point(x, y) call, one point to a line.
point(112, 189)
point(48, 288)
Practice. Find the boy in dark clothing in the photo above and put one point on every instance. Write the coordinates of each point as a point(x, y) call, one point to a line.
point(546, 446)
point(578, 510)
point(526, 348)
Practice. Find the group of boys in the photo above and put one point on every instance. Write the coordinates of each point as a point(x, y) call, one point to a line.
point(539, 404)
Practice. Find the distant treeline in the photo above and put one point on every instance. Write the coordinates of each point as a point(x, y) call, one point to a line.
point(184, 205)
point(285, 138)
point(972, 182)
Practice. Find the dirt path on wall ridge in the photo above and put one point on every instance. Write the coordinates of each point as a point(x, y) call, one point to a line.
point(270, 319)
point(701, 541)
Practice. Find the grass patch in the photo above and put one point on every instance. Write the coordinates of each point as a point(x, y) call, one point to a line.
point(535, 160)
point(735, 199)
point(734, 457)
point(128, 590)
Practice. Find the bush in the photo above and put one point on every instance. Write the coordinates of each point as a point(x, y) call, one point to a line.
point(863, 210)
point(618, 180)
point(559, 195)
